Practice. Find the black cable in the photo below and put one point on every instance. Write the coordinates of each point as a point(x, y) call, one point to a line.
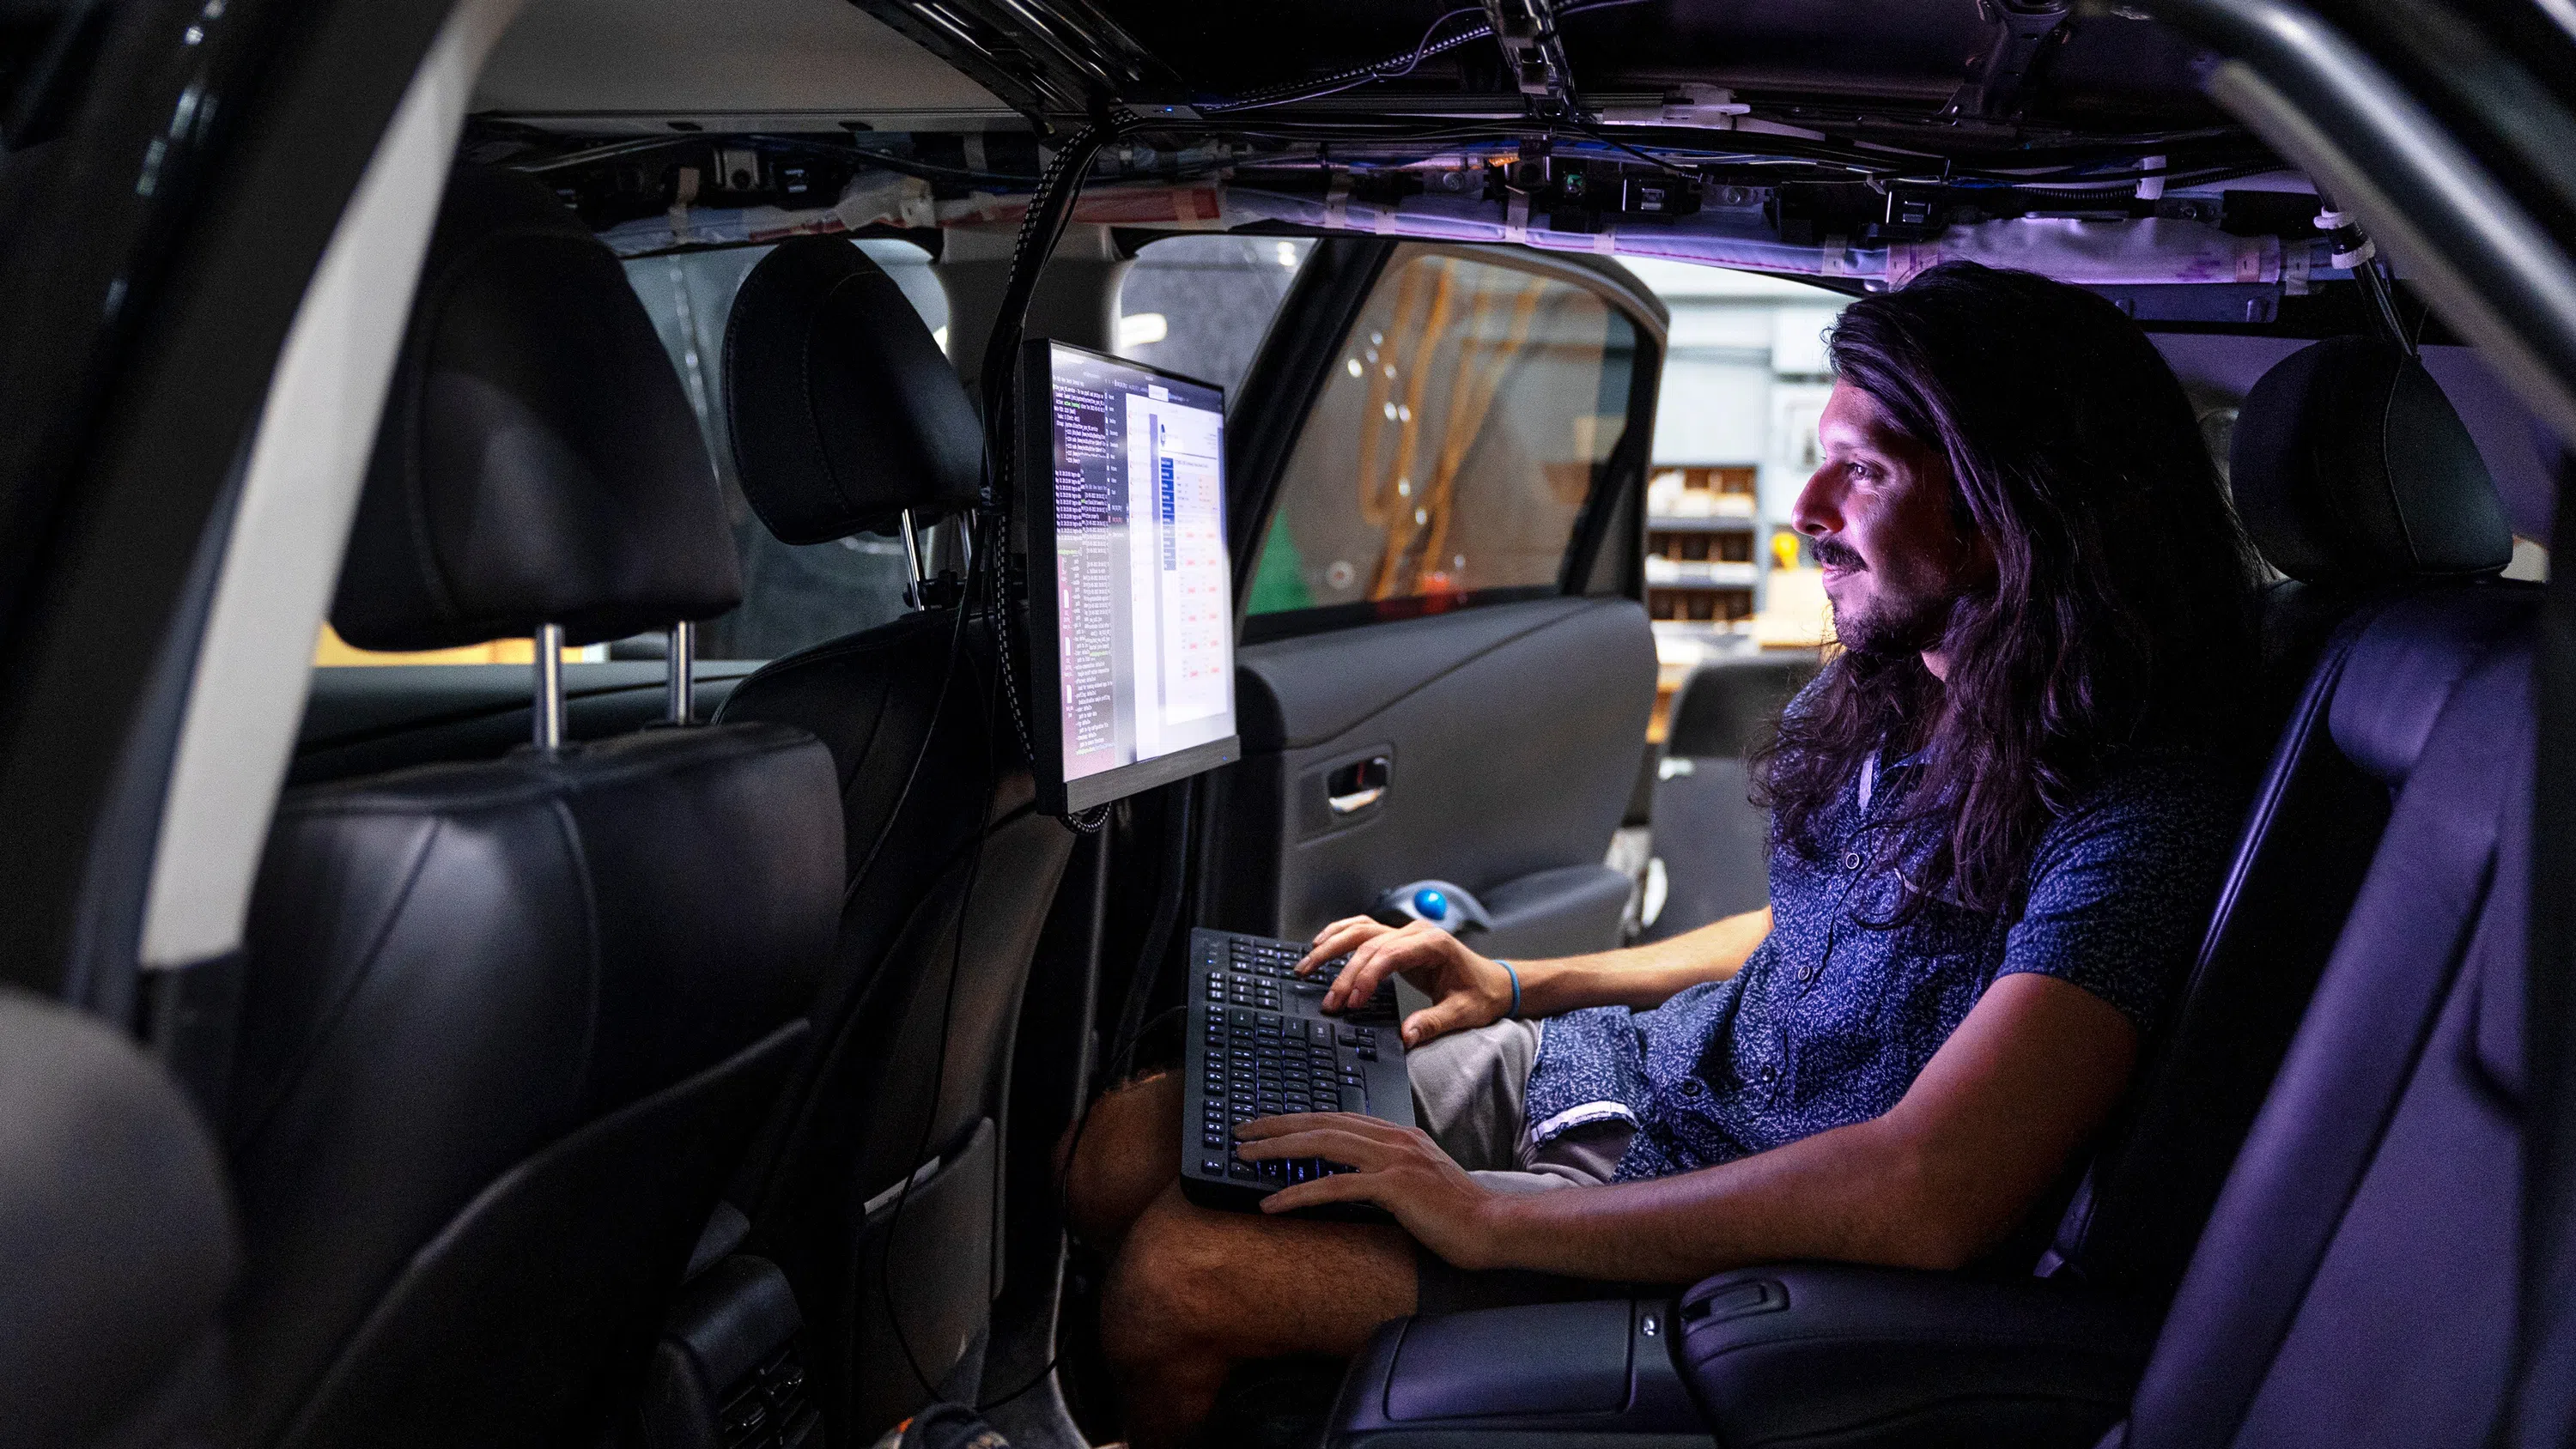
point(1291, 93)
point(1050, 207)
point(1158, 934)
point(2383, 301)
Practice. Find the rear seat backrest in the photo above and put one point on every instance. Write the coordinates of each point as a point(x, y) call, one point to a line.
point(506, 1026)
point(2358, 480)
point(844, 411)
point(2356, 1283)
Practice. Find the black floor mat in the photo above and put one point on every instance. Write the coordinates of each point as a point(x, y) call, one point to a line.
point(1275, 1403)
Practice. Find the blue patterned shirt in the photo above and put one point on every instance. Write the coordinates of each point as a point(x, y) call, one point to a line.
point(1834, 1015)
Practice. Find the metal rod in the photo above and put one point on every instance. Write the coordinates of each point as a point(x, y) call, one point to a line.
point(912, 590)
point(550, 705)
point(683, 653)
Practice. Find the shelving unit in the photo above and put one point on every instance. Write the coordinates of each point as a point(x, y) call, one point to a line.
point(1701, 547)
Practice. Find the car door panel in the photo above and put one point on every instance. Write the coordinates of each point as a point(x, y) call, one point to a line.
point(1490, 721)
point(1437, 468)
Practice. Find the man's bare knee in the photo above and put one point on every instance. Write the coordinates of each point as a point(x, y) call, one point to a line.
point(1122, 1156)
point(1248, 1285)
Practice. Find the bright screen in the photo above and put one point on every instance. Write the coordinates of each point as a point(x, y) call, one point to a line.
point(1144, 608)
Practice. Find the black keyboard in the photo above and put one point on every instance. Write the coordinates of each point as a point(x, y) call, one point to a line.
point(1260, 1045)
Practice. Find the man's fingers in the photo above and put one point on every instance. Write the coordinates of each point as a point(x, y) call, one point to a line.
point(1371, 964)
point(1347, 1148)
point(1336, 1135)
point(1331, 1187)
point(1340, 938)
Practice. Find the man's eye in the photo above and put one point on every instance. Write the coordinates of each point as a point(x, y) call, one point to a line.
point(1860, 472)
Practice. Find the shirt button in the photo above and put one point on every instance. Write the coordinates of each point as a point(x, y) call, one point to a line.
point(1770, 1074)
point(1851, 860)
point(1693, 1086)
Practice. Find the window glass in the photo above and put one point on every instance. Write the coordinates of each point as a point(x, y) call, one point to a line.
point(1451, 450)
point(1199, 305)
point(1745, 380)
point(793, 596)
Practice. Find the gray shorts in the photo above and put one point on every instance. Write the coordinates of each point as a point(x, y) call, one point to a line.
point(1470, 1091)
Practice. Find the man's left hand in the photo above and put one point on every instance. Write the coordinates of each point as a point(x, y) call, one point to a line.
point(1399, 1168)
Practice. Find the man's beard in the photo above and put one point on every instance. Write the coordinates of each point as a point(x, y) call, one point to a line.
point(1893, 627)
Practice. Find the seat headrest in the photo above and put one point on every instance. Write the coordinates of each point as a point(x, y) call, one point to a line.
point(2403, 669)
point(843, 409)
point(2350, 467)
point(538, 462)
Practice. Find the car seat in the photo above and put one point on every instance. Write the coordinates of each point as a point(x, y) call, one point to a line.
point(506, 1026)
point(2358, 481)
point(118, 1240)
point(877, 1185)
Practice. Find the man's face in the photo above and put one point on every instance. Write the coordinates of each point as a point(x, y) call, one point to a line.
point(1878, 514)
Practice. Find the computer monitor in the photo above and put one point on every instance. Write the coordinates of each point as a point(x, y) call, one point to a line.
point(1131, 588)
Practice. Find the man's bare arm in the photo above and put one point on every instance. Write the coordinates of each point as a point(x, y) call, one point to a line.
point(2023, 1082)
point(1642, 976)
point(1468, 990)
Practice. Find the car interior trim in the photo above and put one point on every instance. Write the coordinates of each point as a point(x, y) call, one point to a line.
point(307, 460)
point(2305, 88)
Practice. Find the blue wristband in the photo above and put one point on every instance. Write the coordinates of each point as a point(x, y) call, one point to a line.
point(1516, 987)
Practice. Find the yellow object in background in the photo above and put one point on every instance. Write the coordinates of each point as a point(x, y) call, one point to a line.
point(331, 651)
point(1784, 549)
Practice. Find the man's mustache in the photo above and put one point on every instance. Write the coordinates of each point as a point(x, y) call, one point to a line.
point(1833, 555)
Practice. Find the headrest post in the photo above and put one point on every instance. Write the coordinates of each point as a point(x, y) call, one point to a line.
point(683, 654)
point(548, 734)
point(913, 576)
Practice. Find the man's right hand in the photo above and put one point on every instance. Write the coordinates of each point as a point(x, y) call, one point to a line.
point(1466, 990)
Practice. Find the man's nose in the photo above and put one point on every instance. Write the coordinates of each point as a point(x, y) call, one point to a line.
point(1819, 509)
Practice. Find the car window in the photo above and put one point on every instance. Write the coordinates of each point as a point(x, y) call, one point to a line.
point(1200, 305)
point(1450, 452)
point(793, 595)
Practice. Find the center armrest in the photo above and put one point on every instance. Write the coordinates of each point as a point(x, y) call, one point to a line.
point(1548, 1374)
point(1825, 1353)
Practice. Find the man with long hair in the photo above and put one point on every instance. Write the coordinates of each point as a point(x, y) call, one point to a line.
point(1999, 817)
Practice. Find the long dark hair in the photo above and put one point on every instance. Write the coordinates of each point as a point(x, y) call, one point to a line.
point(2120, 610)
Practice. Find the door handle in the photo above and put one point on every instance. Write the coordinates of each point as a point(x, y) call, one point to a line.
point(1357, 786)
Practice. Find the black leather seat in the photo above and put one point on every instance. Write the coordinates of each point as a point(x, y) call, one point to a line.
point(844, 412)
point(116, 1242)
point(2358, 480)
point(2357, 1282)
point(506, 1026)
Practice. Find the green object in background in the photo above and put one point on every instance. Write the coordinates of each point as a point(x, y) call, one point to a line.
point(1279, 584)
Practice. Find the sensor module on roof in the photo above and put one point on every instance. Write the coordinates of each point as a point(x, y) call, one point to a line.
point(1131, 585)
